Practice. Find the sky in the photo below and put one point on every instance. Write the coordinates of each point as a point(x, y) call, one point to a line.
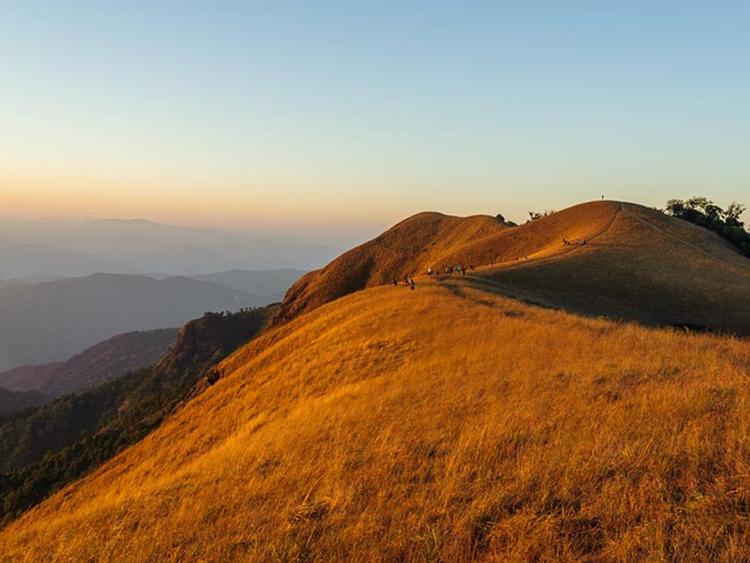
point(345, 117)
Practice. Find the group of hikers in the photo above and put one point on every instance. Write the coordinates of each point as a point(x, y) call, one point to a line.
point(408, 281)
point(448, 270)
point(461, 269)
point(574, 242)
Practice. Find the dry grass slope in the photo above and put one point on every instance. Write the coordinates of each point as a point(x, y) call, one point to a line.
point(637, 264)
point(408, 248)
point(443, 423)
point(642, 265)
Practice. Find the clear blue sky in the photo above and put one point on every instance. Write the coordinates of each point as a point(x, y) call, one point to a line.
point(352, 115)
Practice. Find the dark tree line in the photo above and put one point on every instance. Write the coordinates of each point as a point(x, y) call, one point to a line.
point(704, 212)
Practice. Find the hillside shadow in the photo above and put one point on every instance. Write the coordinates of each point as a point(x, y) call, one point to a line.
point(584, 301)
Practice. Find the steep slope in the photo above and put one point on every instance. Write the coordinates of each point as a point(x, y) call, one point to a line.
point(637, 264)
point(45, 448)
point(444, 423)
point(52, 321)
point(408, 248)
point(104, 361)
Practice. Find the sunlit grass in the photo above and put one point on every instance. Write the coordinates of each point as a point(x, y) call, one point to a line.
point(442, 423)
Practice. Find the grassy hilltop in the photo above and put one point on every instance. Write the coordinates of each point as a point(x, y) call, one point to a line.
point(637, 264)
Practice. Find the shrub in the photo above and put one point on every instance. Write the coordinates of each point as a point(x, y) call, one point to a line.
point(703, 212)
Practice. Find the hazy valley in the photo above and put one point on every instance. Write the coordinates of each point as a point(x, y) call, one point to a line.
point(51, 321)
point(40, 250)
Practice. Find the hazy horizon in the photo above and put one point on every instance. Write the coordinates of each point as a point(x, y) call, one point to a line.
point(345, 119)
point(51, 248)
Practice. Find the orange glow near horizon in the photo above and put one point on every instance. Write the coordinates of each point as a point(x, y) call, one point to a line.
point(190, 206)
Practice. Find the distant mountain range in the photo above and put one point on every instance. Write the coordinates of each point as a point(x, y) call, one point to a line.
point(268, 286)
point(54, 248)
point(104, 361)
point(51, 321)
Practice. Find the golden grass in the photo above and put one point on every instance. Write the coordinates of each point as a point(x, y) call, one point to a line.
point(406, 249)
point(645, 266)
point(638, 264)
point(446, 423)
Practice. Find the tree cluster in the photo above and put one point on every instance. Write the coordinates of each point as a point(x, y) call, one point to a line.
point(704, 212)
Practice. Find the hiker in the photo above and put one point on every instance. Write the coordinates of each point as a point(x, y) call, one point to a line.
point(411, 283)
point(429, 271)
